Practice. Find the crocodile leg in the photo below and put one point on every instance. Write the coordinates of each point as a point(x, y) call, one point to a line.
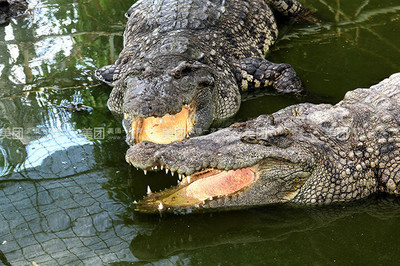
point(287, 7)
point(255, 72)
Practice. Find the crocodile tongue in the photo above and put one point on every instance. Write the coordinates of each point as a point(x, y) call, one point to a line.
point(164, 130)
point(194, 190)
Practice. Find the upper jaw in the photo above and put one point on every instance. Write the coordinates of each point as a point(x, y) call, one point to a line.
point(201, 153)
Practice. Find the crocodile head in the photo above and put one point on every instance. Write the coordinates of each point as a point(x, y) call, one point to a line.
point(167, 98)
point(235, 167)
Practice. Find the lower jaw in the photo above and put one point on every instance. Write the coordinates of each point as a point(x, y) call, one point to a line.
point(163, 130)
point(194, 191)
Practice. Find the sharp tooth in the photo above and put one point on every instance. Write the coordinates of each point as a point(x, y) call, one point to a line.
point(162, 167)
point(172, 173)
point(155, 167)
point(166, 170)
point(148, 190)
point(188, 178)
point(160, 119)
point(211, 197)
point(160, 206)
point(145, 172)
point(134, 202)
point(180, 177)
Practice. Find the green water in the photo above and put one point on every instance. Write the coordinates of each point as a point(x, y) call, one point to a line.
point(66, 193)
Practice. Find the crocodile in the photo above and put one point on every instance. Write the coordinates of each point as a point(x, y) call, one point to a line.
point(309, 154)
point(11, 8)
point(185, 63)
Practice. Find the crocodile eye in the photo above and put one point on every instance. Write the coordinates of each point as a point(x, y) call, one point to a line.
point(181, 71)
point(177, 74)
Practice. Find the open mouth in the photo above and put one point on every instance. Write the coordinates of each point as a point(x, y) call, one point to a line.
point(199, 189)
point(162, 130)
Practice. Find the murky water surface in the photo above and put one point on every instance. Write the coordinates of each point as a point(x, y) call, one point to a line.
point(66, 193)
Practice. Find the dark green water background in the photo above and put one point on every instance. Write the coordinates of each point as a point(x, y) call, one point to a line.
point(66, 192)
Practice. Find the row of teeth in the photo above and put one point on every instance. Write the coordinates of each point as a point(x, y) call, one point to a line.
point(180, 177)
point(149, 192)
point(126, 115)
point(160, 206)
point(155, 168)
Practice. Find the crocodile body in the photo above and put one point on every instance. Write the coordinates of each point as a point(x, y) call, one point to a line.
point(306, 154)
point(185, 63)
point(11, 8)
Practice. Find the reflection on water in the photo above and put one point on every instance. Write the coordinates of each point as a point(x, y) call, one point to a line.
point(66, 192)
point(55, 45)
point(275, 234)
point(38, 150)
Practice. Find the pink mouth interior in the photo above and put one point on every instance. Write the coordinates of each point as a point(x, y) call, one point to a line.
point(209, 184)
point(223, 183)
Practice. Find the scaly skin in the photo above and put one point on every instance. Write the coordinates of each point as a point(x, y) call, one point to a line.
point(306, 153)
point(193, 58)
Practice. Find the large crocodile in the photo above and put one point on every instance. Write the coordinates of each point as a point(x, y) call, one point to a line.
point(185, 62)
point(306, 153)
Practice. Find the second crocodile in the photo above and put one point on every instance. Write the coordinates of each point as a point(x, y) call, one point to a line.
point(185, 63)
